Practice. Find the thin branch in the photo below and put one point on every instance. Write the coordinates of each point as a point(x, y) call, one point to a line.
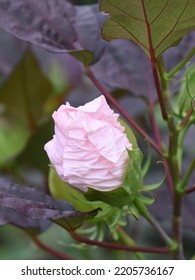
point(112, 246)
point(190, 190)
point(127, 240)
point(187, 117)
point(145, 213)
point(175, 70)
point(187, 176)
point(49, 250)
point(122, 111)
point(154, 123)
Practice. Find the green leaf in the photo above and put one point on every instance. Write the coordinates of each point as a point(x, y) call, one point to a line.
point(129, 133)
point(13, 138)
point(186, 94)
point(84, 56)
point(63, 191)
point(22, 99)
point(25, 92)
point(34, 155)
point(153, 25)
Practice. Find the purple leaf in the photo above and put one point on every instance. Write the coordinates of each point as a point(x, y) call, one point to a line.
point(34, 209)
point(88, 27)
point(39, 22)
point(124, 65)
point(55, 25)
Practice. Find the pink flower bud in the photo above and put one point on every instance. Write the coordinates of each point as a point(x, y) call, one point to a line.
point(89, 146)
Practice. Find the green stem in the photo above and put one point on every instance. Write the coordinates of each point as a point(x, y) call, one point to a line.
point(187, 176)
point(175, 167)
point(173, 163)
point(173, 153)
point(145, 213)
point(175, 70)
point(177, 228)
point(181, 138)
point(164, 85)
point(127, 240)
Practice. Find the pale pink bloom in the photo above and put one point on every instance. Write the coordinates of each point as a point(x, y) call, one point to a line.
point(89, 146)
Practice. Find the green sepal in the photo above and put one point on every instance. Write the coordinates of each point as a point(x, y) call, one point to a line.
point(141, 209)
point(147, 164)
point(117, 198)
point(133, 181)
point(133, 211)
point(156, 185)
point(146, 199)
point(129, 133)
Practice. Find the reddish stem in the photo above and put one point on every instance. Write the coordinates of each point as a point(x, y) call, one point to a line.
point(154, 66)
point(190, 190)
point(122, 111)
point(49, 250)
point(119, 247)
point(154, 123)
point(187, 117)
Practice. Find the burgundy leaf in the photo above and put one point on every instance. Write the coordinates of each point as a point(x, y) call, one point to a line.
point(10, 216)
point(31, 205)
point(39, 22)
point(55, 25)
point(124, 65)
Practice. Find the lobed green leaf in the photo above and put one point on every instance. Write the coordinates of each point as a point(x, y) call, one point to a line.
point(153, 25)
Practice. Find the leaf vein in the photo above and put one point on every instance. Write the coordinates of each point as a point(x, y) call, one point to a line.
point(159, 13)
point(136, 18)
point(173, 28)
point(137, 40)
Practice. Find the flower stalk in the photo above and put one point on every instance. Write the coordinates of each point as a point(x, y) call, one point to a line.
point(114, 246)
point(130, 120)
point(49, 250)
